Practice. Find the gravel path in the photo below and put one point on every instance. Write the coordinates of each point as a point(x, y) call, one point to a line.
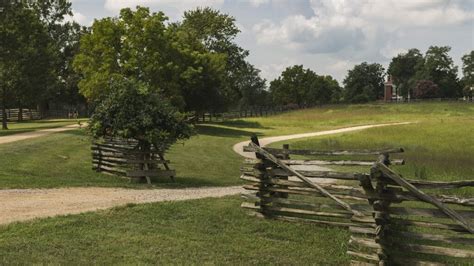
point(36, 134)
point(239, 147)
point(26, 204)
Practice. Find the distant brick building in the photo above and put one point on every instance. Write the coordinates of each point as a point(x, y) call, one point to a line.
point(390, 90)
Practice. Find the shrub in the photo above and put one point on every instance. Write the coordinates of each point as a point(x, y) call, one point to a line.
point(132, 111)
point(426, 89)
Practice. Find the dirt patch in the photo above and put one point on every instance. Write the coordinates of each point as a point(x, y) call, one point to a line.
point(26, 204)
point(37, 133)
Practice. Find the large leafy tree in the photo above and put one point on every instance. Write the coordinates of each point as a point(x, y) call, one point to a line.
point(217, 32)
point(25, 56)
point(402, 69)
point(364, 83)
point(438, 67)
point(36, 52)
point(468, 73)
point(303, 87)
point(141, 45)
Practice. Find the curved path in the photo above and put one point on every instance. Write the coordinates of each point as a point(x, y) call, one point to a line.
point(37, 133)
point(26, 204)
point(238, 148)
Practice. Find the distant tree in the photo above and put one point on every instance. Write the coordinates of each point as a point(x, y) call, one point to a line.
point(291, 86)
point(133, 110)
point(303, 87)
point(364, 83)
point(402, 69)
point(426, 89)
point(251, 87)
point(438, 67)
point(67, 90)
point(468, 74)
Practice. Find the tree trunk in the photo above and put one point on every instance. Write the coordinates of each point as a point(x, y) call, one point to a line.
point(4, 116)
point(20, 113)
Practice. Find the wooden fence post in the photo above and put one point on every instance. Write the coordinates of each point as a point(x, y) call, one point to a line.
point(380, 206)
point(285, 156)
point(263, 194)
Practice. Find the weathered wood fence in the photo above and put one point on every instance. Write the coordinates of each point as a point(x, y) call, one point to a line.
point(129, 158)
point(27, 114)
point(256, 111)
point(413, 227)
point(299, 190)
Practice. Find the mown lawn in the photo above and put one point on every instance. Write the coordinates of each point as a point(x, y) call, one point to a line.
point(28, 126)
point(439, 146)
point(207, 231)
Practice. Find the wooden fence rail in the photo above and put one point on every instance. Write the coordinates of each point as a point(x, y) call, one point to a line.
point(301, 190)
point(27, 114)
point(129, 159)
point(385, 213)
point(256, 111)
point(427, 229)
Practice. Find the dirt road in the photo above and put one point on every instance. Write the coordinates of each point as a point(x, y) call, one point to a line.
point(36, 134)
point(25, 204)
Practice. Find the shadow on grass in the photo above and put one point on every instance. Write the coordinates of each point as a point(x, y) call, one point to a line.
point(217, 131)
point(75, 132)
point(242, 124)
point(179, 183)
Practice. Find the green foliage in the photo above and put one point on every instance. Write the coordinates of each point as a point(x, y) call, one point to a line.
point(438, 67)
point(132, 110)
point(364, 83)
point(34, 52)
point(241, 84)
point(189, 62)
point(468, 73)
point(251, 87)
point(402, 69)
point(303, 87)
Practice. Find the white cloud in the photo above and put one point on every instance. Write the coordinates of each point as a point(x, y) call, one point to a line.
point(77, 17)
point(271, 71)
point(257, 3)
point(364, 26)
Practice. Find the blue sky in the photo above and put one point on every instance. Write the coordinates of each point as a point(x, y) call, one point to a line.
point(328, 36)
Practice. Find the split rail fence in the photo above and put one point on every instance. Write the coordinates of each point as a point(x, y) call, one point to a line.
point(257, 111)
point(27, 114)
point(128, 158)
point(304, 190)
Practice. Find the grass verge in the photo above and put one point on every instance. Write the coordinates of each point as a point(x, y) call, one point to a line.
point(207, 231)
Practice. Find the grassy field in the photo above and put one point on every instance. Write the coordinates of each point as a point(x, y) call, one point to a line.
point(208, 231)
point(439, 146)
point(28, 126)
point(216, 231)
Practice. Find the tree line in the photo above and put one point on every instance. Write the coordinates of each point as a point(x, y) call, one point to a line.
point(193, 65)
point(415, 75)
